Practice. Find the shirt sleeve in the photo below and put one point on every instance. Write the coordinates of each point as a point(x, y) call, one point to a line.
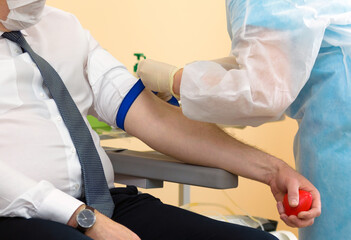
point(111, 82)
point(23, 197)
point(275, 44)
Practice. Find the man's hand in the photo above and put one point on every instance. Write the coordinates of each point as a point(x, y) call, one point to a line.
point(104, 228)
point(107, 229)
point(287, 180)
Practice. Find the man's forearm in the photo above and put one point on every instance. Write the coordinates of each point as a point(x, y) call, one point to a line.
point(167, 130)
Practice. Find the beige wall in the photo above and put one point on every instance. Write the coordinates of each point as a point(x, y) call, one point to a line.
point(179, 32)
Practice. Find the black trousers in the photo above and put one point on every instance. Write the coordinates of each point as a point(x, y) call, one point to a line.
point(145, 215)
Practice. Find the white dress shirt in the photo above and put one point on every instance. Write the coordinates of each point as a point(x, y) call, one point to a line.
point(40, 173)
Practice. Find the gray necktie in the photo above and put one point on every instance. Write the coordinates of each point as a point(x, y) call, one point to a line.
point(97, 193)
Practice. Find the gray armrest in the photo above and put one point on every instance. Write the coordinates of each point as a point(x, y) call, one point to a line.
point(157, 167)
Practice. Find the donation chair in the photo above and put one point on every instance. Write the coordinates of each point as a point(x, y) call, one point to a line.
point(151, 169)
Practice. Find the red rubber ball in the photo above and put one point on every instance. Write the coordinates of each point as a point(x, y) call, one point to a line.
point(305, 203)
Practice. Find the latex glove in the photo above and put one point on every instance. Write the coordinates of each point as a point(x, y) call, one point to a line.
point(157, 76)
point(167, 97)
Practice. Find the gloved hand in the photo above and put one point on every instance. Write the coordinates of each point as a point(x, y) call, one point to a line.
point(157, 76)
point(167, 97)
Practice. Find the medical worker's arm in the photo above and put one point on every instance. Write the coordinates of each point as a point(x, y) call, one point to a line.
point(164, 128)
point(165, 78)
point(275, 44)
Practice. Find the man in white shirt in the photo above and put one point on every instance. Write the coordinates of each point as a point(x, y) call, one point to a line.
point(41, 190)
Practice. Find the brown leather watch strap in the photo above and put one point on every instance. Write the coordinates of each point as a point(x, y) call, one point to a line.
point(90, 208)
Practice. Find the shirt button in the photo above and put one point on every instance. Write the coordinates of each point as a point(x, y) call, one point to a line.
point(59, 118)
point(73, 150)
point(42, 95)
point(75, 187)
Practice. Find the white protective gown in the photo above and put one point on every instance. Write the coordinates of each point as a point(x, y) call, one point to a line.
point(294, 58)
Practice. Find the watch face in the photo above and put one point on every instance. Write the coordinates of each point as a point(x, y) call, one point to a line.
point(86, 218)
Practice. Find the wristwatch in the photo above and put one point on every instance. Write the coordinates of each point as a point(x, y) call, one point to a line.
point(86, 219)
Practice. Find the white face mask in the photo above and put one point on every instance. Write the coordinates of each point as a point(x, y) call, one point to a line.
point(23, 14)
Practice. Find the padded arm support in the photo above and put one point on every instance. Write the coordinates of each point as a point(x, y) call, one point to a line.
point(156, 166)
